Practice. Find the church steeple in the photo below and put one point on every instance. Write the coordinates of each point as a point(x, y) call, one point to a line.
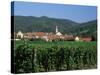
point(56, 29)
point(57, 32)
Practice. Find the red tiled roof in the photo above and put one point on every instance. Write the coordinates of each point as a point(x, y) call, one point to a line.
point(86, 39)
point(39, 33)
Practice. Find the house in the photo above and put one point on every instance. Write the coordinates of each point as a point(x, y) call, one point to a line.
point(52, 37)
point(69, 37)
point(29, 35)
point(77, 38)
point(87, 39)
point(39, 34)
point(19, 35)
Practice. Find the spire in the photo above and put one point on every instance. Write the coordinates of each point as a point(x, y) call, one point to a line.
point(56, 29)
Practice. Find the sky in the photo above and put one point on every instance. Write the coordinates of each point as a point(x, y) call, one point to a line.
point(77, 13)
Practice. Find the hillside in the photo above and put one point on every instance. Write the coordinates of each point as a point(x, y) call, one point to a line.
point(46, 24)
point(88, 28)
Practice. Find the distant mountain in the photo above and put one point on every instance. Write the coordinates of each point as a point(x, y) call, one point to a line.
point(88, 28)
point(46, 24)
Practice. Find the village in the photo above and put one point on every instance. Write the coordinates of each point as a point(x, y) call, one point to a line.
point(49, 36)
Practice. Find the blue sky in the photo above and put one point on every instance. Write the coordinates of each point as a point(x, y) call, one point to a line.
point(73, 12)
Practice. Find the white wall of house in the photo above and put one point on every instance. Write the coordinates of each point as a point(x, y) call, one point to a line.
point(37, 37)
point(20, 34)
point(77, 38)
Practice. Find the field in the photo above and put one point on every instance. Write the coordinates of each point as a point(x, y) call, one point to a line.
point(41, 43)
point(42, 56)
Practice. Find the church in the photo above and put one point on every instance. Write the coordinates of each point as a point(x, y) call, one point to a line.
point(57, 32)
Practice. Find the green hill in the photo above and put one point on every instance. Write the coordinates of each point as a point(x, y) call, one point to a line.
point(88, 28)
point(46, 24)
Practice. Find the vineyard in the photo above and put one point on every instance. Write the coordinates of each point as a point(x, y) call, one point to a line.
point(41, 56)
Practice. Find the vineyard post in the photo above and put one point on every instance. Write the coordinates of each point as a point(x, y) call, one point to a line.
point(32, 60)
point(35, 55)
point(24, 40)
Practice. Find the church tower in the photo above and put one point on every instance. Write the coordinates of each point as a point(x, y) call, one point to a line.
point(57, 32)
point(56, 29)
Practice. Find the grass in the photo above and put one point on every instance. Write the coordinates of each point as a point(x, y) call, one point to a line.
point(41, 43)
